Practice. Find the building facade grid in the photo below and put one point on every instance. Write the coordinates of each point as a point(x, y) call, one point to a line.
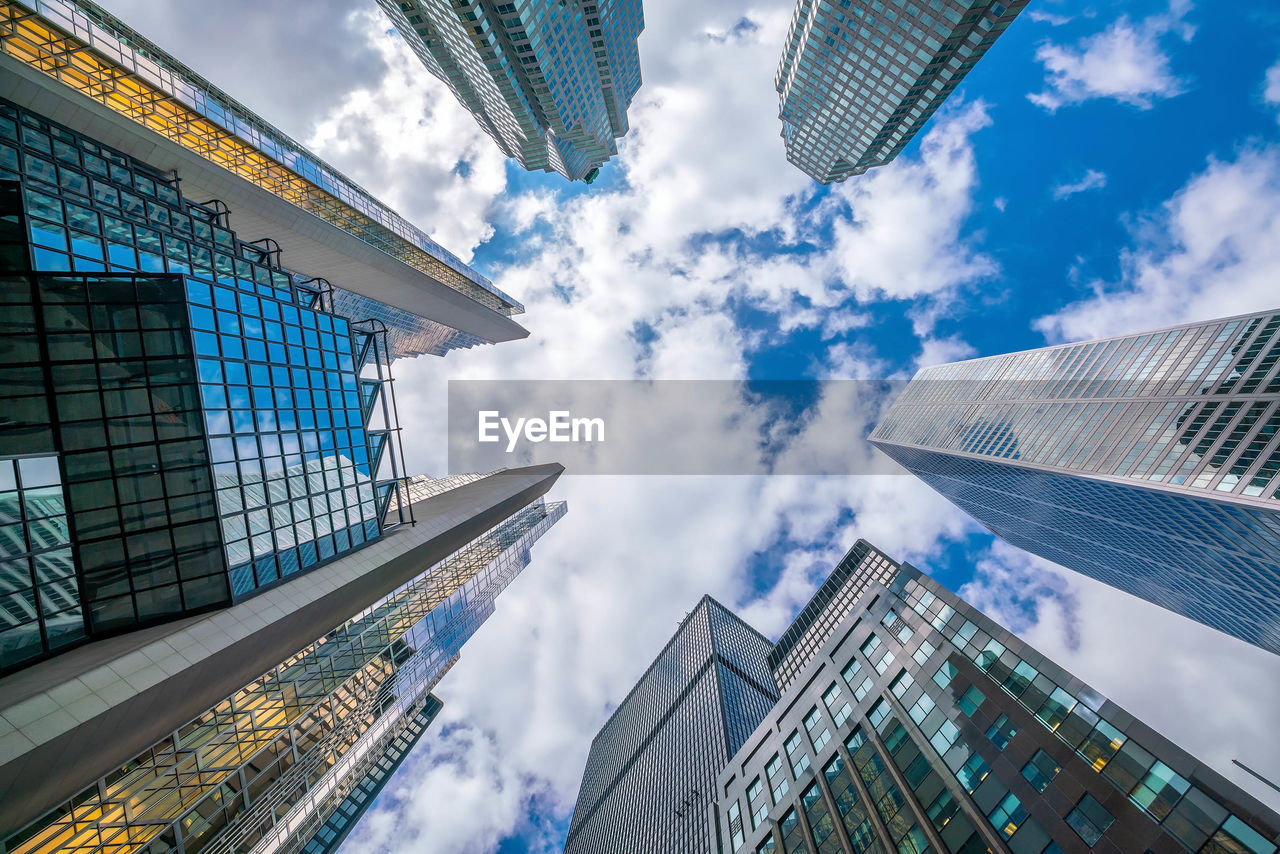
point(1146, 461)
point(861, 566)
point(963, 740)
point(859, 78)
point(649, 775)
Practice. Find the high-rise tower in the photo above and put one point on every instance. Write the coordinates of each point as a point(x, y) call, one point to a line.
point(861, 566)
point(1147, 461)
point(859, 79)
point(650, 774)
point(222, 603)
point(920, 725)
point(549, 80)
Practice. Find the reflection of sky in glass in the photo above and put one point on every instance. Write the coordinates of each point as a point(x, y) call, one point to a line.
point(39, 598)
point(286, 436)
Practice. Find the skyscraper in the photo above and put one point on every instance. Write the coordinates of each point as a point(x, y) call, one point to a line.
point(650, 774)
point(1145, 461)
point(920, 726)
point(549, 80)
point(859, 78)
point(222, 603)
point(861, 566)
point(342, 820)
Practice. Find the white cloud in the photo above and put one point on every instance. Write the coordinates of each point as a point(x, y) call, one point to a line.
point(407, 141)
point(1210, 251)
point(1271, 90)
point(1050, 18)
point(1092, 180)
point(939, 351)
point(902, 237)
point(1126, 62)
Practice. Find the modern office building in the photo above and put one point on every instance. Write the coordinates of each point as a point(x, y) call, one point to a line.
point(549, 80)
point(859, 79)
point(922, 726)
point(861, 566)
point(1147, 461)
point(222, 604)
point(651, 772)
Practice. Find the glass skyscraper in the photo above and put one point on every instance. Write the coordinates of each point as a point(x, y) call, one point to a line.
point(920, 727)
point(859, 78)
point(550, 81)
point(1146, 461)
point(223, 605)
point(650, 775)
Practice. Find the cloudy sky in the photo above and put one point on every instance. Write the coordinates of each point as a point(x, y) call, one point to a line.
point(1107, 168)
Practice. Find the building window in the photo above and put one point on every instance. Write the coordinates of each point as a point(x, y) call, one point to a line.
point(971, 700)
point(1002, 732)
point(1090, 819)
point(943, 809)
point(973, 772)
point(831, 697)
point(792, 835)
point(878, 713)
point(860, 693)
point(922, 654)
point(1008, 815)
point(798, 766)
point(1159, 790)
point(1040, 770)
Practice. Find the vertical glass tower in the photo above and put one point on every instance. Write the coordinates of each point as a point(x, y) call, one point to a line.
point(1147, 461)
point(651, 772)
point(919, 726)
point(549, 81)
point(223, 606)
point(858, 80)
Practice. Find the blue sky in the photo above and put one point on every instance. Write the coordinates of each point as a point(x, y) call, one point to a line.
point(1107, 167)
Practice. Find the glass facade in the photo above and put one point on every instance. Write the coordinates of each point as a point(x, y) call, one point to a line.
point(859, 79)
point(550, 82)
point(344, 817)
point(92, 52)
point(291, 460)
point(1146, 461)
point(41, 608)
point(268, 766)
point(967, 741)
point(205, 407)
point(648, 780)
